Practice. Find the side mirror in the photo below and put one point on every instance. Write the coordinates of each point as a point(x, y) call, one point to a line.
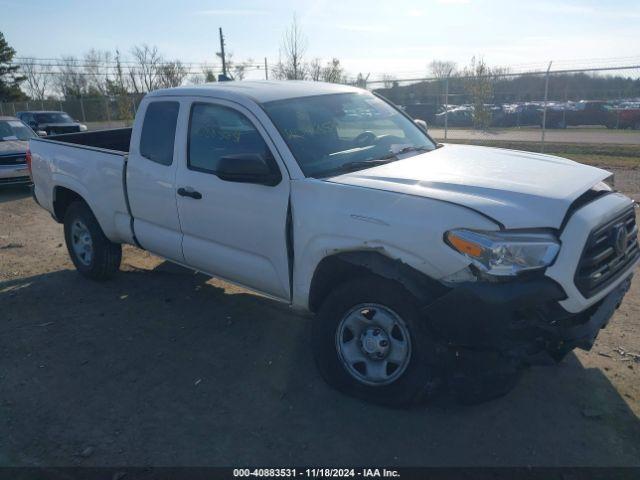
point(41, 133)
point(421, 123)
point(247, 168)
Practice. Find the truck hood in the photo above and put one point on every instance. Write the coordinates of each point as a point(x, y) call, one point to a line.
point(518, 189)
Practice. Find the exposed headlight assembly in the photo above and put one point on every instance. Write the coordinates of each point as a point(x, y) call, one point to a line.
point(504, 253)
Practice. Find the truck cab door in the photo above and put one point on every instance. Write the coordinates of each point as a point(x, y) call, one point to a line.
point(236, 230)
point(150, 182)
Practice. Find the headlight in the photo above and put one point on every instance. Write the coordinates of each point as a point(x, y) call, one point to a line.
point(83, 128)
point(505, 253)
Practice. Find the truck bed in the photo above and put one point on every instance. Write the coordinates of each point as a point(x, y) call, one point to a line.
point(91, 164)
point(116, 139)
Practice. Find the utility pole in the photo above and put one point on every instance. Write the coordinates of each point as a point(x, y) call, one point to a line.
point(224, 63)
point(266, 69)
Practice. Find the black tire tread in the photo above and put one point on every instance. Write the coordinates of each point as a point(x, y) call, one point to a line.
point(107, 254)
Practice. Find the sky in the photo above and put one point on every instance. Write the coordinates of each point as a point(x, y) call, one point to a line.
point(395, 37)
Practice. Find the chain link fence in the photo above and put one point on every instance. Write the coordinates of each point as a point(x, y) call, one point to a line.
point(96, 112)
point(590, 115)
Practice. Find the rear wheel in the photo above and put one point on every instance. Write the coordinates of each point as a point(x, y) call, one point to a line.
point(92, 253)
point(370, 341)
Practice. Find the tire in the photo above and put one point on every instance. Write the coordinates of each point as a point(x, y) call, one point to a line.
point(480, 376)
point(413, 380)
point(101, 259)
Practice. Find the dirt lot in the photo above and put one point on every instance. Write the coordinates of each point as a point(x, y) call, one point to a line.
point(161, 366)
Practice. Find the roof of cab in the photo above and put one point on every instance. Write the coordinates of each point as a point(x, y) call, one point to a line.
point(261, 91)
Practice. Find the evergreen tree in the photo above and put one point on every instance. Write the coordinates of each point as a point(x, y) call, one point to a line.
point(9, 77)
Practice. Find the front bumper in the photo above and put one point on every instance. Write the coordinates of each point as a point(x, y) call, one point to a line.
point(520, 320)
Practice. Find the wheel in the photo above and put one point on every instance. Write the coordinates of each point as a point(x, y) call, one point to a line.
point(92, 253)
point(479, 376)
point(370, 341)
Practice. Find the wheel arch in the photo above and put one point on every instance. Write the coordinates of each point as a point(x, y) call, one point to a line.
point(63, 197)
point(340, 267)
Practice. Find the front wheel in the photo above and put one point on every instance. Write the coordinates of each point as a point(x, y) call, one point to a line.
point(370, 341)
point(92, 253)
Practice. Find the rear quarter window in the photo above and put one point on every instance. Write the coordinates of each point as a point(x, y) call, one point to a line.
point(159, 132)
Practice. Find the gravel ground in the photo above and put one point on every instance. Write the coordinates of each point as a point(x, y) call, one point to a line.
point(161, 366)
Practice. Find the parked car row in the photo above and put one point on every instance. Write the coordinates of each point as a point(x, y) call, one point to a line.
point(559, 114)
point(15, 133)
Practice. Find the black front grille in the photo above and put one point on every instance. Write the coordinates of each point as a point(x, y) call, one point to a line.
point(609, 250)
point(53, 130)
point(13, 159)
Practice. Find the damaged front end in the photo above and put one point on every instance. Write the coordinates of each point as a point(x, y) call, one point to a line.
point(493, 329)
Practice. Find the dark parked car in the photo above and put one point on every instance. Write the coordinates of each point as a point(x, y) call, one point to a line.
point(521, 114)
point(51, 122)
point(585, 112)
point(628, 118)
point(424, 111)
point(14, 140)
point(458, 117)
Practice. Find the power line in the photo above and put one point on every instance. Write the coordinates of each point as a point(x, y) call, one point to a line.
point(514, 74)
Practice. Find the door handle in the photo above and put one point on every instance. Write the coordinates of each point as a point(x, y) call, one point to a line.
point(187, 192)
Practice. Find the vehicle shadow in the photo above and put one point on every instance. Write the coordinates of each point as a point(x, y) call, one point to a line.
point(14, 192)
point(165, 367)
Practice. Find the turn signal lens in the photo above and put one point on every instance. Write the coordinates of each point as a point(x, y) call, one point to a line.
point(463, 245)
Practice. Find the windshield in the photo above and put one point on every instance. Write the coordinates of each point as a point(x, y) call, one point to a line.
point(332, 134)
point(14, 130)
point(53, 117)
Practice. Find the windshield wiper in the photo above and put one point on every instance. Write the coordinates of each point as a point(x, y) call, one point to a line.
point(357, 165)
point(405, 150)
point(362, 164)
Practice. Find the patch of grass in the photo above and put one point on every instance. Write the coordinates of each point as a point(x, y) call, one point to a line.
point(593, 154)
point(604, 160)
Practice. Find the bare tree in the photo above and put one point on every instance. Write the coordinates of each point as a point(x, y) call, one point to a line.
point(291, 64)
point(361, 80)
point(333, 72)
point(240, 69)
point(388, 80)
point(207, 75)
point(117, 84)
point(315, 69)
point(38, 79)
point(144, 74)
point(71, 82)
point(171, 74)
point(442, 68)
point(96, 69)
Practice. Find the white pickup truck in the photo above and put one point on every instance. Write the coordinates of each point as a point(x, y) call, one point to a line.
point(426, 264)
